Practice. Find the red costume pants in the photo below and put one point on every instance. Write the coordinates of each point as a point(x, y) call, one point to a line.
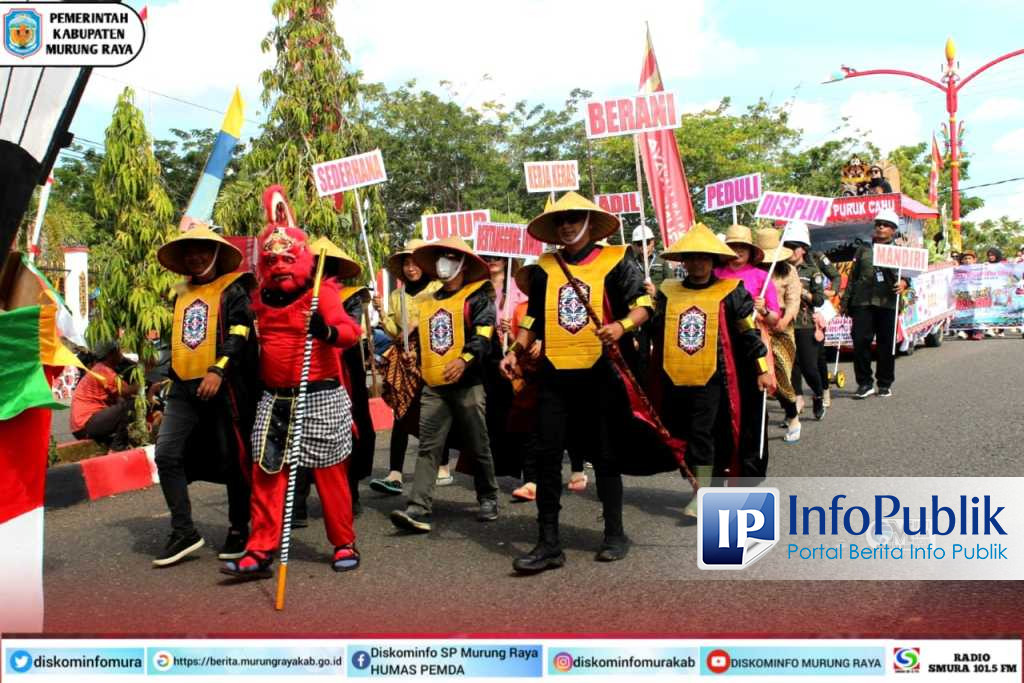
point(268, 492)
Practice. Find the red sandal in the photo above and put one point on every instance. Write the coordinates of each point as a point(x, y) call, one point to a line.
point(253, 565)
point(346, 558)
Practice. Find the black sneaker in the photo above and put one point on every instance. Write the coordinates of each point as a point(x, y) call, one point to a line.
point(179, 545)
point(234, 545)
point(391, 487)
point(884, 392)
point(613, 548)
point(488, 510)
point(819, 408)
point(411, 521)
point(864, 391)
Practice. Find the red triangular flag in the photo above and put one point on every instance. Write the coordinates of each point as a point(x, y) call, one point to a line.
point(666, 178)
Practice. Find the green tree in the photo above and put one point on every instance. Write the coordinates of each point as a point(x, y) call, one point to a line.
point(311, 96)
point(439, 156)
point(134, 289)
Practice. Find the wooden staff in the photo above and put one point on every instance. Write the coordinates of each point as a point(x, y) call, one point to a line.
point(403, 308)
point(640, 198)
point(620, 364)
point(373, 355)
point(296, 436)
point(764, 394)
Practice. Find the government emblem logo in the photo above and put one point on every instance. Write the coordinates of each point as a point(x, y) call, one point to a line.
point(572, 313)
point(442, 332)
point(22, 32)
point(194, 324)
point(692, 330)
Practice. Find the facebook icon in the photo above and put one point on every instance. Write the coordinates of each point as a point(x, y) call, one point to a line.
point(736, 527)
point(360, 659)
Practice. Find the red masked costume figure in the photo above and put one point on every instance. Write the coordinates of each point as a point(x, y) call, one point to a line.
point(282, 308)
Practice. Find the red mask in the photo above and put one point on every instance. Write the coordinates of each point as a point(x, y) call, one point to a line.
point(286, 262)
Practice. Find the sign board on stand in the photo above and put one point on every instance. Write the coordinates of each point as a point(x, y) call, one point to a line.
point(839, 331)
point(732, 192)
point(462, 224)
point(510, 240)
point(342, 175)
point(551, 176)
point(906, 259)
point(785, 206)
point(619, 203)
point(641, 113)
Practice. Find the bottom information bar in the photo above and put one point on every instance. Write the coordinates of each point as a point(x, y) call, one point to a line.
point(401, 658)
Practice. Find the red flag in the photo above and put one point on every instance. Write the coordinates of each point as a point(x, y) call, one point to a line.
point(666, 179)
point(144, 12)
point(933, 177)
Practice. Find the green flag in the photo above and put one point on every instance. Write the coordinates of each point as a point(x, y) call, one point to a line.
point(29, 337)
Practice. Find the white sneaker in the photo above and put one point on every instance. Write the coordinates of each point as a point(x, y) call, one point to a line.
point(961, 335)
point(826, 398)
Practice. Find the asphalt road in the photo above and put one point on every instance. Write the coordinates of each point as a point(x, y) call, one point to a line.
point(954, 413)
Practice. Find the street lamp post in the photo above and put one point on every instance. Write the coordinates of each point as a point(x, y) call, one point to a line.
point(951, 85)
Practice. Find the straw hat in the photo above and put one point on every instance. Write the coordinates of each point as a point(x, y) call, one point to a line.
point(768, 242)
point(337, 264)
point(523, 276)
point(172, 254)
point(427, 253)
point(740, 234)
point(699, 240)
point(394, 262)
point(545, 226)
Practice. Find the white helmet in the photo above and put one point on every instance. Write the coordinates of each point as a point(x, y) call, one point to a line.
point(797, 231)
point(642, 233)
point(888, 216)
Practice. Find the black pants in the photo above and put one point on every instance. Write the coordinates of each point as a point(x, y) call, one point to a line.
point(878, 324)
point(530, 470)
point(789, 407)
point(183, 415)
point(574, 408)
point(807, 349)
point(693, 417)
point(823, 365)
point(109, 426)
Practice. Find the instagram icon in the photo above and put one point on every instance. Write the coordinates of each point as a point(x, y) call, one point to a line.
point(562, 662)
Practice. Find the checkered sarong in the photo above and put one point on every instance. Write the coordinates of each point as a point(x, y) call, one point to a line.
point(326, 427)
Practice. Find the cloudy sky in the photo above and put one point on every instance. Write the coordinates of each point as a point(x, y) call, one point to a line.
point(197, 50)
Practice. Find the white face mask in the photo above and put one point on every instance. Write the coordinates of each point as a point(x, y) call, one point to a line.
point(449, 268)
point(579, 235)
point(213, 262)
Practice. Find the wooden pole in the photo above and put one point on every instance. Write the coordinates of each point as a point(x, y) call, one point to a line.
point(640, 193)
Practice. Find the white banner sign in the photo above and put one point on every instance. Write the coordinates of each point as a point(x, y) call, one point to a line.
point(619, 203)
point(785, 206)
point(629, 115)
point(510, 240)
point(551, 176)
point(908, 259)
point(342, 175)
point(732, 192)
point(462, 224)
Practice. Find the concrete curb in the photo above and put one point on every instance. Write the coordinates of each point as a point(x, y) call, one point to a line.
point(114, 473)
point(99, 477)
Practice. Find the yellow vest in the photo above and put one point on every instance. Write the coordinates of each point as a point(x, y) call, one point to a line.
point(392, 322)
point(347, 292)
point(690, 342)
point(568, 344)
point(194, 335)
point(443, 332)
